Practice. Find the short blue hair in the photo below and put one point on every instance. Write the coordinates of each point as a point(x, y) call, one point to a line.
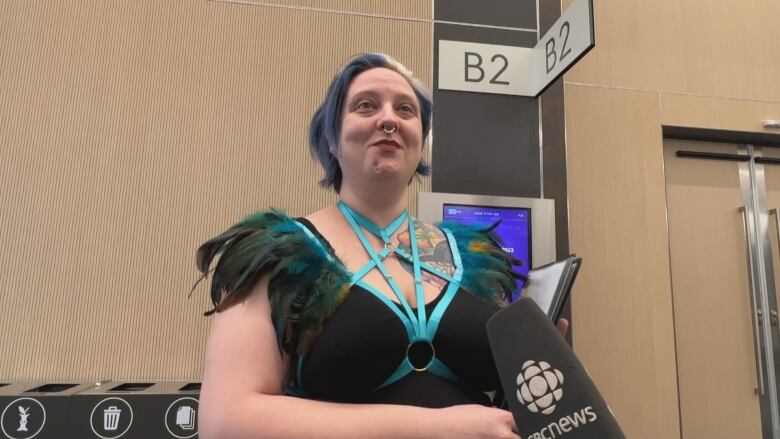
point(325, 126)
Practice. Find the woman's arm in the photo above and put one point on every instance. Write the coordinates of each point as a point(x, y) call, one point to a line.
point(242, 393)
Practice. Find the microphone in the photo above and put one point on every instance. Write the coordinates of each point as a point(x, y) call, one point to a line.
point(548, 390)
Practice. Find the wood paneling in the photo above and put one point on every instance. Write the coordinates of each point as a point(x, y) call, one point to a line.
point(397, 8)
point(130, 133)
point(704, 64)
point(708, 47)
point(711, 290)
point(636, 46)
point(622, 306)
point(718, 113)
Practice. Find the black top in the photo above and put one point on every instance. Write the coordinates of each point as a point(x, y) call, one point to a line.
point(363, 342)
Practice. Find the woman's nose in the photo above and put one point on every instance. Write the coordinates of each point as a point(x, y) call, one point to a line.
point(387, 117)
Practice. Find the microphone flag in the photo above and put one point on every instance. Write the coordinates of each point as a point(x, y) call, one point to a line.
point(549, 392)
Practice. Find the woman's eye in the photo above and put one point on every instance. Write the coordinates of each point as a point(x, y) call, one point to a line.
point(364, 105)
point(407, 109)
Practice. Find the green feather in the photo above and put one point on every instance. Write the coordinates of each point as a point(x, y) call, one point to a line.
point(488, 269)
point(305, 285)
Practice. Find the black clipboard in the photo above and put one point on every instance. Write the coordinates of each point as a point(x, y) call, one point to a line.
point(550, 285)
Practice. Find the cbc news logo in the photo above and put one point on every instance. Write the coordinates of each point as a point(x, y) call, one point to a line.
point(539, 386)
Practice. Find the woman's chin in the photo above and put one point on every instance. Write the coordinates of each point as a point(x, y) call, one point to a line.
point(385, 169)
point(388, 174)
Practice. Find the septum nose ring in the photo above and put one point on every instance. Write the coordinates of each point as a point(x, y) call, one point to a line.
point(389, 129)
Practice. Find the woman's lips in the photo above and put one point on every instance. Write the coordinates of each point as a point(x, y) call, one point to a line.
point(390, 145)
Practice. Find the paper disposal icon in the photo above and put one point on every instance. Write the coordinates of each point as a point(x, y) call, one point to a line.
point(185, 417)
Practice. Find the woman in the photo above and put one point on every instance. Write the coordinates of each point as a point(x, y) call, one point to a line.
point(356, 321)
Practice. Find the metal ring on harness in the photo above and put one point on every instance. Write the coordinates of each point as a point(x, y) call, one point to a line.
point(420, 350)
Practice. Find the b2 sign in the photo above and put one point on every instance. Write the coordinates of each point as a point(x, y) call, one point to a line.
point(486, 68)
point(523, 71)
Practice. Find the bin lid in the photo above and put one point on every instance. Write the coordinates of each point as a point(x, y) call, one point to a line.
point(46, 388)
point(144, 387)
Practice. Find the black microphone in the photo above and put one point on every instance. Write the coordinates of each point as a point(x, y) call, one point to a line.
point(548, 390)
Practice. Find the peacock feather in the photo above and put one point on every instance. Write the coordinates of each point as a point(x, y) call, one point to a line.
point(487, 270)
point(305, 285)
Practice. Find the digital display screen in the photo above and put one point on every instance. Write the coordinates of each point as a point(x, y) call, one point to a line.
point(514, 229)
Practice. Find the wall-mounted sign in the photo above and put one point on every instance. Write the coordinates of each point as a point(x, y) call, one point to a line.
point(523, 71)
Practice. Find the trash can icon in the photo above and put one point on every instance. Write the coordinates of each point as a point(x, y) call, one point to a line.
point(111, 418)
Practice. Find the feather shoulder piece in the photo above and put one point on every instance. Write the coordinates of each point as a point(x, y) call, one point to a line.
point(305, 283)
point(487, 268)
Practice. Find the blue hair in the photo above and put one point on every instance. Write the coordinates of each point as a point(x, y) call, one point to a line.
point(325, 126)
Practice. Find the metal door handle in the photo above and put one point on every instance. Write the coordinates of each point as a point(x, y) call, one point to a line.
point(776, 213)
point(756, 314)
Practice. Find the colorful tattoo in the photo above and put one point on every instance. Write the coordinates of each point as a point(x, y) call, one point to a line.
point(434, 250)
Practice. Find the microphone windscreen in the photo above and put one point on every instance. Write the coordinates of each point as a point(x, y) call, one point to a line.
point(548, 390)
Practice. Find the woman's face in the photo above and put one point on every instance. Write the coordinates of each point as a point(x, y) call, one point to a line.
point(378, 100)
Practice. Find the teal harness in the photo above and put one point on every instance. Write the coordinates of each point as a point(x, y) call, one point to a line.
point(420, 328)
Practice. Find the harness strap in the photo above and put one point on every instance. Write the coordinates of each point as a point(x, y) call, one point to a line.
point(377, 261)
point(452, 287)
point(419, 327)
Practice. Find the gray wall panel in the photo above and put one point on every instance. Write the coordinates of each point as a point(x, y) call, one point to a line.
point(484, 143)
point(510, 13)
point(554, 152)
point(554, 141)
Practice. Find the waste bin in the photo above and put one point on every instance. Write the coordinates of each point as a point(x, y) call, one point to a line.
point(38, 410)
point(136, 410)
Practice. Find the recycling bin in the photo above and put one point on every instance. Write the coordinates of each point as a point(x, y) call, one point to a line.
point(37, 410)
point(136, 410)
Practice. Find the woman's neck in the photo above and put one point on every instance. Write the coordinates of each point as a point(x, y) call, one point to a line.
point(381, 207)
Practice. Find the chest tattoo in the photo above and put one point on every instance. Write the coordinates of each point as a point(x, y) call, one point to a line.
point(434, 250)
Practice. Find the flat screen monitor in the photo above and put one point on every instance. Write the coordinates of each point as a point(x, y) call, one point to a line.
point(514, 229)
point(527, 224)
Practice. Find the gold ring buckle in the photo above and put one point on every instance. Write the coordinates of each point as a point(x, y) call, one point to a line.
point(428, 363)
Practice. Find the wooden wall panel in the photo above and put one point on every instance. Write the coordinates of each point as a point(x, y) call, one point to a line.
point(699, 63)
point(636, 46)
point(130, 133)
point(718, 113)
point(622, 306)
point(708, 47)
point(415, 9)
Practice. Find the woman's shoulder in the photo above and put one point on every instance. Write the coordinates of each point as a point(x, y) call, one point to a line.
point(487, 269)
point(269, 228)
point(461, 238)
point(258, 242)
point(430, 229)
point(271, 243)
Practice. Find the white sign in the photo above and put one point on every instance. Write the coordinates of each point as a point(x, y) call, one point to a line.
point(569, 38)
point(485, 68)
point(523, 71)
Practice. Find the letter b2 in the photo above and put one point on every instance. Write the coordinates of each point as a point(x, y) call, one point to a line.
point(470, 56)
